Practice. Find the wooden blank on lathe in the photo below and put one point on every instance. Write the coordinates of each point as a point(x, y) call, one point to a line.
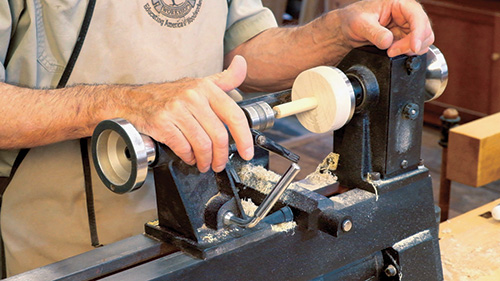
point(474, 152)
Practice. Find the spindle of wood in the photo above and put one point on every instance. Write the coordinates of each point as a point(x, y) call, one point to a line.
point(322, 99)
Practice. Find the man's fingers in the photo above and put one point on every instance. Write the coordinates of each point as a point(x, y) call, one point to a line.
point(216, 131)
point(204, 128)
point(233, 76)
point(200, 142)
point(368, 28)
point(410, 45)
point(382, 37)
point(399, 47)
point(411, 13)
point(179, 145)
point(232, 115)
point(228, 111)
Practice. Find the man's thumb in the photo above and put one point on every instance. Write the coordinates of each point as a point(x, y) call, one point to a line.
point(233, 76)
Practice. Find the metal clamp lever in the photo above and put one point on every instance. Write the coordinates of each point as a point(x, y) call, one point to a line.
point(262, 141)
point(268, 203)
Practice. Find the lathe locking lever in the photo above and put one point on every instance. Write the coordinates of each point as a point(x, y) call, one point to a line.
point(260, 140)
point(264, 142)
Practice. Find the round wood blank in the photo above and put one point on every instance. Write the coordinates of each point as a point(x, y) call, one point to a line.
point(334, 95)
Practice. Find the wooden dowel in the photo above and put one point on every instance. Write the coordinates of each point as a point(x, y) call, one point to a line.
point(295, 107)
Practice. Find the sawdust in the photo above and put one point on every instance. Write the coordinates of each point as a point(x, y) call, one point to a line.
point(212, 198)
point(446, 231)
point(264, 180)
point(352, 197)
point(284, 227)
point(216, 236)
point(249, 207)
point(323, 175)
point(258, 177)
point(153, 223)
point(329, 163)
point(413, 240)
point(319, 179)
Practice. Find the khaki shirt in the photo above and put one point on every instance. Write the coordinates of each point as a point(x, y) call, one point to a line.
point(44, 214)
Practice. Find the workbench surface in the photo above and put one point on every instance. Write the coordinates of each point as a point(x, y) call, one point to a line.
point(470, 246)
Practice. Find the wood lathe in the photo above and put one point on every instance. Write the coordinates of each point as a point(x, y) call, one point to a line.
point(385, 227)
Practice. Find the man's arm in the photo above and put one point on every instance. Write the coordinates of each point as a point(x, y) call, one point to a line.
point(187, 115)
point(276, 56)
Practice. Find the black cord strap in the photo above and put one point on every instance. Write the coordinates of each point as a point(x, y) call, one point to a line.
point(4, 182)
point(94, 238)
point(78, 45)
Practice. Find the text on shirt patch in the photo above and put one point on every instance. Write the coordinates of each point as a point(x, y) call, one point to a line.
point(173, 13)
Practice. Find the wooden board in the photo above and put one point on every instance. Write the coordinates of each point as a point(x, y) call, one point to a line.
point(474, 152)
point(470, 246)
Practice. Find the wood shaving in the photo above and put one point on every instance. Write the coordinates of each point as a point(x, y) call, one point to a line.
point(153, 223)
point(218, 235)
point(329, 164)
point(258, 177)
point(264, 180)
point(284, 227)
point(249, 207)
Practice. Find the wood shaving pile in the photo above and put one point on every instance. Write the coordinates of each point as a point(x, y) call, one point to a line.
point(258, 177)
point(284, 227)
point(323, 175)
point(264, 180)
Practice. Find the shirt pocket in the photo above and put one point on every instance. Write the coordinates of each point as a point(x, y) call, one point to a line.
point(57, 27)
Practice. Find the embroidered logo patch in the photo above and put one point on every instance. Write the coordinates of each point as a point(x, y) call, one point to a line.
point(173, 13)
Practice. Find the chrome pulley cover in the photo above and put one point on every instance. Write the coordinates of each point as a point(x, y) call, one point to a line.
point(436, 76)
point(121, 155)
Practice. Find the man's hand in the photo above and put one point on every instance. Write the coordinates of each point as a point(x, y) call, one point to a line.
point(400, 26)
point(189, 116)
point(277, 55)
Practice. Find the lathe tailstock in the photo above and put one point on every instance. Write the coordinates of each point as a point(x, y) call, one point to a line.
point(385, 227)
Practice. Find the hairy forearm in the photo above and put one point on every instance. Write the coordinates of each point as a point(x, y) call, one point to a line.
point(34, 117)
point(191, 115)
point(276, 56)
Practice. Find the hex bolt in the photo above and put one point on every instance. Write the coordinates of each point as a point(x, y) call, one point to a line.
point(411, 111)
point(413, 64)
point(347, 225)
point(391, 271)
point(261, 140)
point(404, 164)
